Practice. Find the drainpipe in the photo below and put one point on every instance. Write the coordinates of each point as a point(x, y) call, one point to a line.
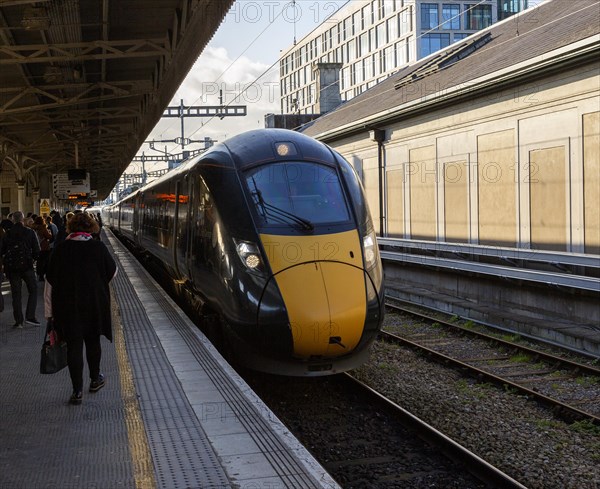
point(378, 135)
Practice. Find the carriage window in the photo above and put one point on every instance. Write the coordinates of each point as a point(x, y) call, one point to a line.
point(307, 191)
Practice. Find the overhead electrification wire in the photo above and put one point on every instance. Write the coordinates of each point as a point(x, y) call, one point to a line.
point(271, 23)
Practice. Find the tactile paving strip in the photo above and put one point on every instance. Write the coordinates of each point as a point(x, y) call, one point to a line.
point(182, 455)
point(284, 462)
point(44, 441)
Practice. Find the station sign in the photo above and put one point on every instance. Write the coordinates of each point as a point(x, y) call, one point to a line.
point(44, 207)
point(64, 184)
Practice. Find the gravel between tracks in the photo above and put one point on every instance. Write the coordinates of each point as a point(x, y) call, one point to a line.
point(513, 433)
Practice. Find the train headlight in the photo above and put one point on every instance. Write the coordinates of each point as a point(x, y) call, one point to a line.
point(370, 250)
point(249, 254)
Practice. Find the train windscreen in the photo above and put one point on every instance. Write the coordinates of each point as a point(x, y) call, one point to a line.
point(297, 193)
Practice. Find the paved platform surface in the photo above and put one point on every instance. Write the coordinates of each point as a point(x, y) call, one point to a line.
point(172, 415)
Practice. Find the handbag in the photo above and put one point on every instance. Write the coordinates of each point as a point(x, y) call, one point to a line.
point(54, 353)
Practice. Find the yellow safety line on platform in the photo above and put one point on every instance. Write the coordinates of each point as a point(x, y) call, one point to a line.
point(143, 468)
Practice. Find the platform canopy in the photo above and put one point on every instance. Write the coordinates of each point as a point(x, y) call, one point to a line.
point(83, 82)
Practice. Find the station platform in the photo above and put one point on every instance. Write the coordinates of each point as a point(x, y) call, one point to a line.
point(173, 413)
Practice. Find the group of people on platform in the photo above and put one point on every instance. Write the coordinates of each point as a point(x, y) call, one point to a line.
point(76, 268)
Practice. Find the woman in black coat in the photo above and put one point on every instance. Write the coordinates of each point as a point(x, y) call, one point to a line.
point(77, 299)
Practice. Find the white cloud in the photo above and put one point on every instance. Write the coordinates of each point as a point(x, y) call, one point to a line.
point(215, 71)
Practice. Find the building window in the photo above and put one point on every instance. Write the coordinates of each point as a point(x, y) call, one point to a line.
point(389, 63)
point(392, 28)
point(459, 36)
point(377, 10)
point(363, 44)
point(345, 78)
point(375, 64)
point(356, 23)
point(401, 56)
point(478, 17)
point(511, 6)
point(404, 22)
point(367, 16)
point(429, 16)
point(352, 50)
point(381, 35)
point(430, 43)
point(359, 75)
point(347, 28)
point(388, 7)
point(451, 16)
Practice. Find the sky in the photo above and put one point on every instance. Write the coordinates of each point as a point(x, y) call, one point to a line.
point(245, 48)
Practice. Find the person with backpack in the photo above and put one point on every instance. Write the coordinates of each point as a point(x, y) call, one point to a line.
point(2, 233)
point(20, 248)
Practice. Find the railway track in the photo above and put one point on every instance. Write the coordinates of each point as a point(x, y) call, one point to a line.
point(365, 440)
point(570, 388)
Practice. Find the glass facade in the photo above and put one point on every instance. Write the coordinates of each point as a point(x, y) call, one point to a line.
point(430, 43)
point(429, 15)
point(451, 16)
point(478, 17)
point(506, 8)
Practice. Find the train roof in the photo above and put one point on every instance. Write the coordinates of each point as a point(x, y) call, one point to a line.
point(255, 147)
point(249, 149)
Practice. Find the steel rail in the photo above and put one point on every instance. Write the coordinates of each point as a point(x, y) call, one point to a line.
point(540, 355)
point(484, 471)
point(565, 411)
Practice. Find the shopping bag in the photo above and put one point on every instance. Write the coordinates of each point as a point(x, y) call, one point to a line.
point(53, 355)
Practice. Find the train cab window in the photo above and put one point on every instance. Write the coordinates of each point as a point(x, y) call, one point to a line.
point(297, 193)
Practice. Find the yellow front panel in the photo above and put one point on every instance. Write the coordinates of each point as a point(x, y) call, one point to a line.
point(286, 251)
point(322, 284)
point(305, 298)
point(347, 305)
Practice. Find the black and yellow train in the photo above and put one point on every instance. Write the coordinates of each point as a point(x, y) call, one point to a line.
point(269, 233)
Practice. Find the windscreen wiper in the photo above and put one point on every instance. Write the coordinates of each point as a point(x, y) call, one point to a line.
point(277, 213)
point(270, 210)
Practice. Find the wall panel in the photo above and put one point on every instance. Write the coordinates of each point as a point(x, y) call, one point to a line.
point(497, 188)
point(371, 184)
point(548, 194)
point(395, 202)
point(591, 181)
point(456, 203)
point(422, 175)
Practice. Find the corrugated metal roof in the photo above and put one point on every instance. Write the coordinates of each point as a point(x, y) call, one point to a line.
point(98, 74)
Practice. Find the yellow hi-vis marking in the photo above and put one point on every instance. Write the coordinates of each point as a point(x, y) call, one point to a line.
point(323, 286)
point(143, 468)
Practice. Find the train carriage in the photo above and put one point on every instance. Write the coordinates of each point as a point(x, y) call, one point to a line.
point(270, 233)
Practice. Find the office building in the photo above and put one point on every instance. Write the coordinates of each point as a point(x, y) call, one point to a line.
point(368, 40)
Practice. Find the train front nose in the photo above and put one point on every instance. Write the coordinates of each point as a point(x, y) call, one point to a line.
point(321, 280)
point(326, 307)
